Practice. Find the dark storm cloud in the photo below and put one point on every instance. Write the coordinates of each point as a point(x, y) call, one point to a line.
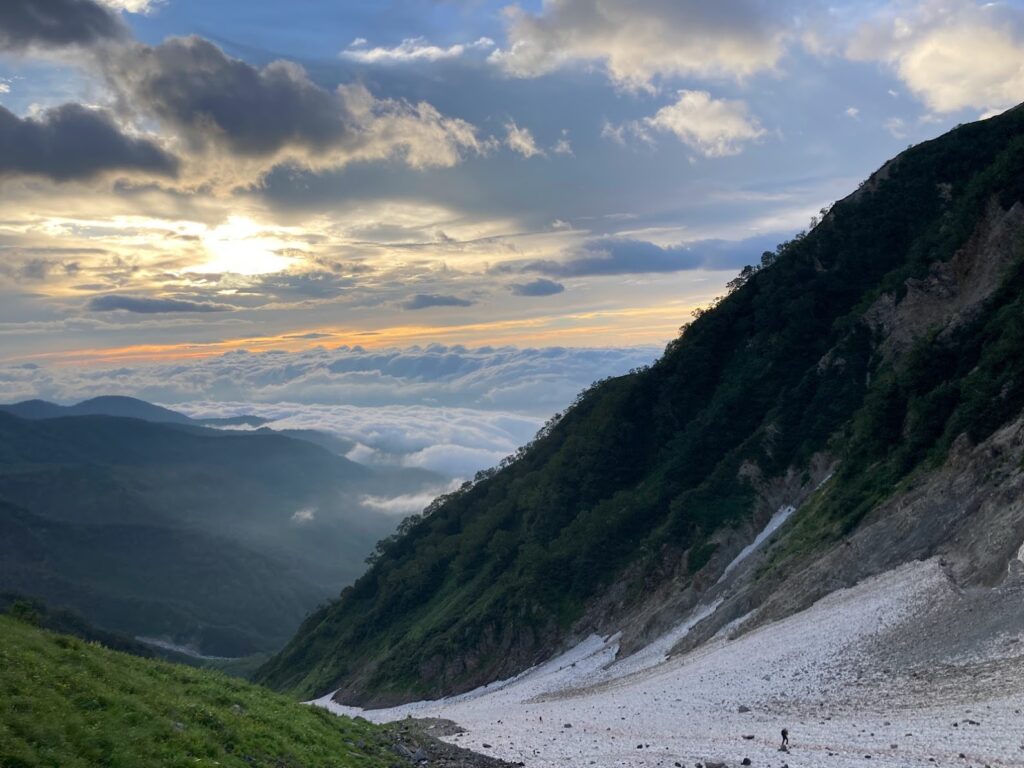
point(425, 300)
point(539, 287)
point(139, 304)
point(26, 24)
point(276, 113)
point(620, 256)
point(193, 85)
point(71, 142)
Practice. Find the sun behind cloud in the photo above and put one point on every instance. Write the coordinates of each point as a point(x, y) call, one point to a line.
point(241, 246)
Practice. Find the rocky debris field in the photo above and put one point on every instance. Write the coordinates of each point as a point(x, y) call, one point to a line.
point(417, 741)
point(904, 669)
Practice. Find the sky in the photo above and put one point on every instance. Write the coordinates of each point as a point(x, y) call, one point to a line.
point(182, 178)
point(225, 201)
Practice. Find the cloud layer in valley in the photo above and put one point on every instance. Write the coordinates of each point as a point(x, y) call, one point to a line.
point(451, 410)
point(538, 381)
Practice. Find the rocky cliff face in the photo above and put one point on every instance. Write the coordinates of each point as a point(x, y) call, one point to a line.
point(969, 510)
point(855, 404)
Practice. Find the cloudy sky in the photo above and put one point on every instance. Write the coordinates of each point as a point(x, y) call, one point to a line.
point(184, 178)
point(409, 204)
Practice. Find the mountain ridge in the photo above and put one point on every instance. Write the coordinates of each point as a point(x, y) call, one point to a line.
point(630, 507)
point(217, 539)
point(104, 405)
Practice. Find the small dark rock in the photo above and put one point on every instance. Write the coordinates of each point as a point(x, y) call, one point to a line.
point(742, 708)
point(403, 751)
point(745, 761)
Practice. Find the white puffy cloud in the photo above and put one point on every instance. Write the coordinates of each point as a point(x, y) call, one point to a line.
point(412, 49)
point(521, 140)
point(563, 146)
point(638, 40)
point(952, 54)
point(406, 503)
point(713, 127)
point(132, 6)
point(304, 515)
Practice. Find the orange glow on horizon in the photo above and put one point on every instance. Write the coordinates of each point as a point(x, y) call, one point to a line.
point(631, 326)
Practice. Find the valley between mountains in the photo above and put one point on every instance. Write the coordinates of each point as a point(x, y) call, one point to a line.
point(808, 514)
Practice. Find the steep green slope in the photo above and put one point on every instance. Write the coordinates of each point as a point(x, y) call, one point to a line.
point(218, 540)
point(65, 703)
point(638, 480)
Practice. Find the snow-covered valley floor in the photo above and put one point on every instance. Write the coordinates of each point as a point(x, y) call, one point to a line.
point(904, 669)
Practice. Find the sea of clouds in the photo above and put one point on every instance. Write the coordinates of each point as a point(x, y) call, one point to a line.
point(449, 409)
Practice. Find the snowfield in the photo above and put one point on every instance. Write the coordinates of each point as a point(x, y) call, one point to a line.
point(899, 670)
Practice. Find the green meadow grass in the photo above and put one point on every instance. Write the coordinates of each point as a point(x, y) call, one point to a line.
point(68, 703)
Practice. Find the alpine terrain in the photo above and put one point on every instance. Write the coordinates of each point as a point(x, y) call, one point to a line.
point(207, 541)
point(809, 508)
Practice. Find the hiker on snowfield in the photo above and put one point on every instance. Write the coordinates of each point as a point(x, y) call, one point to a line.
point(785, 740)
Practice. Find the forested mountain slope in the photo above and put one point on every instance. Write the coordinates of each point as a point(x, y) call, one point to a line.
point(219, 540)
point(844, 371)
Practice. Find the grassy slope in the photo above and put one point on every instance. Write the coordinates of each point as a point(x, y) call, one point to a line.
point(645, 468)
point(69, 704)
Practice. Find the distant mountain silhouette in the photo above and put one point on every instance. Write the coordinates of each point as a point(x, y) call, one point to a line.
point(221, 540)
point(106, 405)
